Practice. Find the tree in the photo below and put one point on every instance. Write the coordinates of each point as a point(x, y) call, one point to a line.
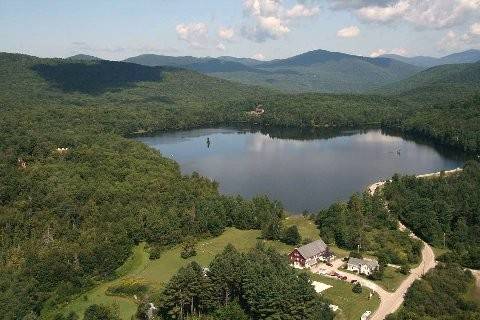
point(404, 269)
point(188, 250)
point(230, 311)
point(100, 312)
point(357, 288)
point(272, 230)
point(291, 236)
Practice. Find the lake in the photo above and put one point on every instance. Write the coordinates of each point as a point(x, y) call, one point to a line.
point(304, 170)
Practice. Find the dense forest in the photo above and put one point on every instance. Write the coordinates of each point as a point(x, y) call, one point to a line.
point(364, 224)
point(442, 294)
point(443, 211)
point(76, 194)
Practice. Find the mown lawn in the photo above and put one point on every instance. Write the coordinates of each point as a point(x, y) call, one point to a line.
point(391, 278)
point(352, 305)
point(157, 272)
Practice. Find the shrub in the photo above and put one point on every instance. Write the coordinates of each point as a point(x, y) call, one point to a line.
point(188, 250)
point(291, 236)
point(357, 288)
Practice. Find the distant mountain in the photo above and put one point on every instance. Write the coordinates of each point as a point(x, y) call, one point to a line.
point(319, 70)
point(84, 57)
point(420, 61)
point(155, 60)
point(245, 61)
point(468, 56)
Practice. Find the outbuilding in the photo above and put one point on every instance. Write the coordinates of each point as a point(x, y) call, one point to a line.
point(363, 266)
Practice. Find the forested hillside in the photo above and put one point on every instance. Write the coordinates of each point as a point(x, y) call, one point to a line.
point(76, 194)
point(446, 83)
point(67, 215)
point(443, 211)
point(443, 294)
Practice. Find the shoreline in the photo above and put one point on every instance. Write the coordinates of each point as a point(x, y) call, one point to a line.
point(374, 186)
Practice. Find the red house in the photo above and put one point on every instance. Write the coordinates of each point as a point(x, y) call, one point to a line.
point(310, 254)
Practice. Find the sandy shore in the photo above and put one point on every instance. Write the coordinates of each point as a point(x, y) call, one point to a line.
point(373, 187)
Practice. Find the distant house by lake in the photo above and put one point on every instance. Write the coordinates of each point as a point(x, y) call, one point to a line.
point(363, 266)
point(310, 254)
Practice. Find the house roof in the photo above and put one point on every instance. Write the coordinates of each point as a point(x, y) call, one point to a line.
point(313, 248)
point(359, 262)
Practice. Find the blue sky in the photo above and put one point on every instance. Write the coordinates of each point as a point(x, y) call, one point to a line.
point(264, 29)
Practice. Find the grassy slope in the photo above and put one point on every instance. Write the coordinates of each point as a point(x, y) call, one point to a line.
point(157, 272)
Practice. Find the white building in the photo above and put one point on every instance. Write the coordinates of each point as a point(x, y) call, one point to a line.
point(366, 267)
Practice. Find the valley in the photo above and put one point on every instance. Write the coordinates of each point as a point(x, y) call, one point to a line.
point(79, 193)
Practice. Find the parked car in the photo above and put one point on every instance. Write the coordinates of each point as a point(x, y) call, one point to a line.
point(353, 281)
point(329, 264)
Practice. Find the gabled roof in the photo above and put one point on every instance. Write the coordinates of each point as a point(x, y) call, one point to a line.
point(313, 248)
point(359, 262)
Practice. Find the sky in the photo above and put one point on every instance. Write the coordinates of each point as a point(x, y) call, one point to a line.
point(262, 29)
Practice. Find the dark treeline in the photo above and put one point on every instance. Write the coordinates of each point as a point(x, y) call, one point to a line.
point(260, 283)
point(442, 211)
point(442, 294)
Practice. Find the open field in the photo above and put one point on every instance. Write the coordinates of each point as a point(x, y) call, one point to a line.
point(352, 305)
point(157, 272)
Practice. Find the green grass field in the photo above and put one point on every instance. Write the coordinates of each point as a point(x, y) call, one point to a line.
point(352, 305)
point(391, 278)
point(157, 272)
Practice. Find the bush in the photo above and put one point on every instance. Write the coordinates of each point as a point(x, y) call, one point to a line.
point(291, 236)
point(356, 254)
point(100, 312)
point(404, 269)
point(188, 250)
point(357, 288)
point(231, 311)
point(155, 252)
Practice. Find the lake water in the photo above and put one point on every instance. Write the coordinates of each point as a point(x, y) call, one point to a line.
point(305, 171)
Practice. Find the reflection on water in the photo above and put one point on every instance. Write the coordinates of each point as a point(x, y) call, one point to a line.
point(304, 170)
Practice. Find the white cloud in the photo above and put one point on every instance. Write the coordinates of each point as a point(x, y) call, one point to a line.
point(195, 34)
point(456, 41)
point(270, 19)
point(381, 52)
point(475, 29)
point(221, 47)
point(226, 33)
point(348, 32)
point(378, 53)
point(258, 56)
point(450, 41)
point(383, 14)
point(434, 14)
point(300, 10)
